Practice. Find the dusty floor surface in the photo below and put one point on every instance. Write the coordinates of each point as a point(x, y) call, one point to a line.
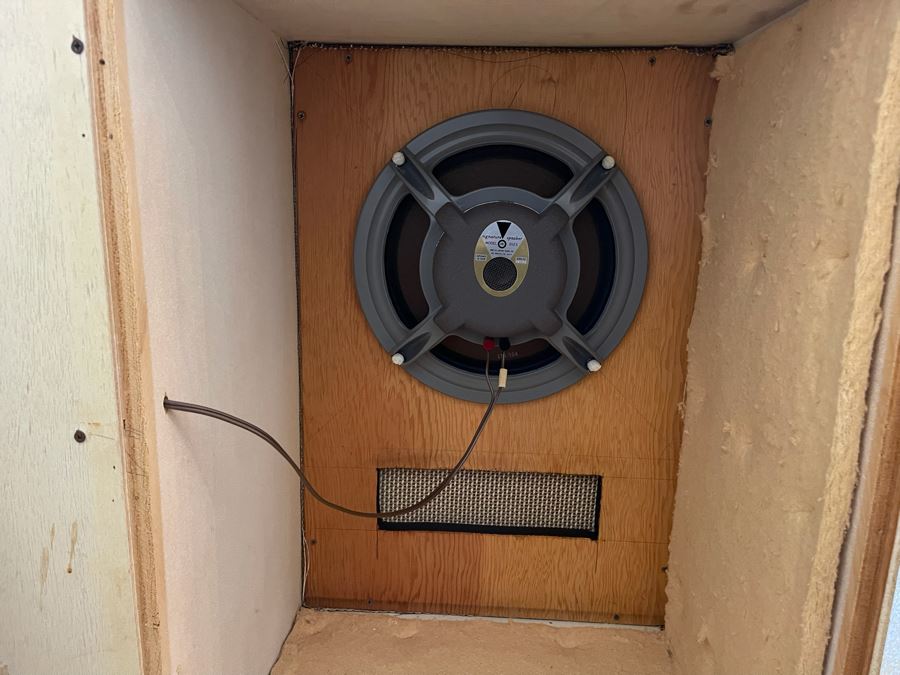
point(328, 643)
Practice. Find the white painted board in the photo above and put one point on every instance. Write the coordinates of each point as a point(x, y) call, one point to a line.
point(66, 588)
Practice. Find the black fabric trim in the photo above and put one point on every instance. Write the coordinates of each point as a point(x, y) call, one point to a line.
point(486, 529)
point(597, 508)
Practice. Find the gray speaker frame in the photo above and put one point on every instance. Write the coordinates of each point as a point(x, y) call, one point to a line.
point(499, 127)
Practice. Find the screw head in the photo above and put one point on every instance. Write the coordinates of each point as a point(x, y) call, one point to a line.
point(593, 365)
point(608, 162)
point(301, 115)
point(707, 122)
point(398, 158)
point(348, 58)
point(397, 359)
point(80, 436)
point(77, 45)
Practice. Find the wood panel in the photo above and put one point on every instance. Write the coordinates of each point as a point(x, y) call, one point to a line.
point(575, 23)
point(66, 579)
point(864, 593)
point(649, 110)
point(115, 171)
point(212, 160)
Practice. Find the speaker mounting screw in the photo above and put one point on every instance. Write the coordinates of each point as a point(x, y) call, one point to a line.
point(593, 365)
point(398, 158)
point(397, 359)
point(608, 162)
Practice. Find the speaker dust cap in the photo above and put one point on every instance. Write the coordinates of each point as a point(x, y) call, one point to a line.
point(503, 224)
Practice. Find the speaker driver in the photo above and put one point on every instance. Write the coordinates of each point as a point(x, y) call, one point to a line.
point(504, 224)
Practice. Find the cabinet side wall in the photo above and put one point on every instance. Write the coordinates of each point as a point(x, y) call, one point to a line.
point(803, 172)
point(210, 111)
point(66, 583)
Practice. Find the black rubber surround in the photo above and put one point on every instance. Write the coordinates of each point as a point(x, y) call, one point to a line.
point(459, 175)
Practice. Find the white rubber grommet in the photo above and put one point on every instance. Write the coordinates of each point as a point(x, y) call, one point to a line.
point(398, 158)
point(593, 365)
point(398, 359)
point(608, 162)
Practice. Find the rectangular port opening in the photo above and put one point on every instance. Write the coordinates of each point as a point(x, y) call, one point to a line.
point(493, 502)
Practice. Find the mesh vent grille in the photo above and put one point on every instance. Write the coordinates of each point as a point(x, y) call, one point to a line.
point(494, 502)
point(500, 273)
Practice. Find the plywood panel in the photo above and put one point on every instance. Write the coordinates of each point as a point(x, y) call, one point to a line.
point(212, 162)
point(360, 412)
point(66, 580)
point(570, 23)
point(115, 162)
point(490, 575)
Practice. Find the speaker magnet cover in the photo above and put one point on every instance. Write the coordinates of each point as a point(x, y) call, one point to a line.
point(501, 258)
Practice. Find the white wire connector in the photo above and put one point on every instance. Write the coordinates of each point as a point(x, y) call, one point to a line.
point(501, 379)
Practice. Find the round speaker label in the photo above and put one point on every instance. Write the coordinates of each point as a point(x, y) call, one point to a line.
point(501, 258)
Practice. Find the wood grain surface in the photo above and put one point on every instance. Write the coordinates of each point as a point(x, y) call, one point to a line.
point(649, 110)
point(67, 575)
point(121, 229)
